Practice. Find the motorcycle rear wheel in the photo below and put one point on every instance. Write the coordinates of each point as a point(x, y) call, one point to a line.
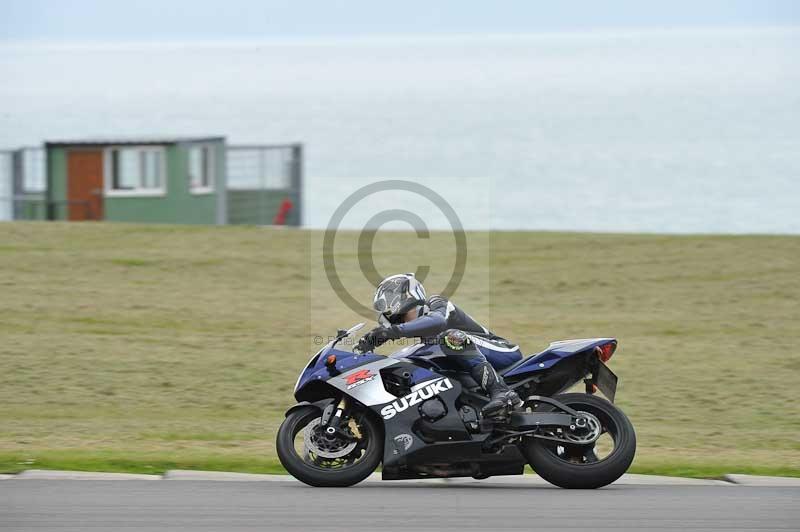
point(318, 471)
point(577, 466)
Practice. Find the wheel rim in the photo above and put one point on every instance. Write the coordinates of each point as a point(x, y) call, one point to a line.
point(316, 449)
point(599, 450)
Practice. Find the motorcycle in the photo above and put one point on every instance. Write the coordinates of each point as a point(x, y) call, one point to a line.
point(420, 419)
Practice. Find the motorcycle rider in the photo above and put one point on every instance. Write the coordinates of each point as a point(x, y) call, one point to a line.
point(405, 312)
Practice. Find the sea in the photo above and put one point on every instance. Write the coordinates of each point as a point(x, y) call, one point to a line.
point(658, 131)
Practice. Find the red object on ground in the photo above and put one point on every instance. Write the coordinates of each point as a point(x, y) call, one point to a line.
point(285, 208)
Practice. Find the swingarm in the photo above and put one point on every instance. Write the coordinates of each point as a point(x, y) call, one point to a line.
point(562, 424)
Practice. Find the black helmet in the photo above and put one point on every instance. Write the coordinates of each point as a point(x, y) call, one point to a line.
point(397, 294)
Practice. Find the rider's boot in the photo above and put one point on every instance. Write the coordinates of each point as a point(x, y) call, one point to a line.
point(500, 395)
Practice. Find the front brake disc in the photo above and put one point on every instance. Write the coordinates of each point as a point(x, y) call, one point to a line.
point(325, 447)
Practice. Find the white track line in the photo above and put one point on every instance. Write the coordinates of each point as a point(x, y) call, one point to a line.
point(46, 474)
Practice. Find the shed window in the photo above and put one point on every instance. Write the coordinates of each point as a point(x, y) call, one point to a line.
point(201, 169)
point(136, 170)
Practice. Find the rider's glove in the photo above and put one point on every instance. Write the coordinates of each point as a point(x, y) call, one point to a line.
point(376, 338)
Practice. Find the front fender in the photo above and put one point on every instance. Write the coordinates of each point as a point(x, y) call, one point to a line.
point(319, 405)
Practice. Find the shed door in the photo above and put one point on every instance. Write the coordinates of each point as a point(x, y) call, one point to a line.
point(85, 184)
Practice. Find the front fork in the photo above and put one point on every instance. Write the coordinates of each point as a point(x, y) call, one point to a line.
point(332, 418)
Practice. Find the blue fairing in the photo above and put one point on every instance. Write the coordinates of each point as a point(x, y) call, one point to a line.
point(554, 354)
point(316, 369)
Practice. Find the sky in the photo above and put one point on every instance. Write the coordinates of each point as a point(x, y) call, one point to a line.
point(211, 20)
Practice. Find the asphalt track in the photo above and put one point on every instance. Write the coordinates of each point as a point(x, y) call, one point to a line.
point(80, 505)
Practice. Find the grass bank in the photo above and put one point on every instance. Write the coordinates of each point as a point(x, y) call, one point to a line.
point(143, 348)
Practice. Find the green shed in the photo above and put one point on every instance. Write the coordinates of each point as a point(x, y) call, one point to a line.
point(158, 180)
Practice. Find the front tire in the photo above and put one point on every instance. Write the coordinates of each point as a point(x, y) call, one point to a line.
point(578, 466)
point(311, 470)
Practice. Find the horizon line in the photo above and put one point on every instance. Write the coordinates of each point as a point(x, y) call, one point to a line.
point(301, 40)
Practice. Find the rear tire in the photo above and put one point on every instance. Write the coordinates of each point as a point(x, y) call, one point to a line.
point(556, 470)
point(318, 476)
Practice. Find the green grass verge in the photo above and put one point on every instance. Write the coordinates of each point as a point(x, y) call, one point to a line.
point(713, 470)
point(141, 348)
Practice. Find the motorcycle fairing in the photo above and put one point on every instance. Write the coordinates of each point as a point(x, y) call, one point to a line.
point(415, 447)
point(317, 370)
point(411, 441)
point(364, 382)
point(556, 352)
point(346, 361)
point(406, 430)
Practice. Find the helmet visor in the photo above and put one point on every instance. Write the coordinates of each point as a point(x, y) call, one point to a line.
point(391, 296)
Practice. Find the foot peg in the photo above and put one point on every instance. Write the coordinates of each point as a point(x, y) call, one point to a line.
point(502, 404)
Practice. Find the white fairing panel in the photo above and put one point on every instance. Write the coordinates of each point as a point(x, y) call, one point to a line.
point(368, 387)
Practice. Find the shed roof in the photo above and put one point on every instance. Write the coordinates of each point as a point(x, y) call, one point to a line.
point(132, 141)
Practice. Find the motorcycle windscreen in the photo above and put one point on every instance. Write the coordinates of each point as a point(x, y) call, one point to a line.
point(606, 381)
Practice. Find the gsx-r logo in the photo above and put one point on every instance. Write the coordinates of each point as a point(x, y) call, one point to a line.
point(416, 397)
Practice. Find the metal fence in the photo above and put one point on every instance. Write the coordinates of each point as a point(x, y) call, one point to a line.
point(6, 193)
point(6, 179)
point(265, 184)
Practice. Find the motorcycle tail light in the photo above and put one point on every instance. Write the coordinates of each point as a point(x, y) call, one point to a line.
point(605, 351)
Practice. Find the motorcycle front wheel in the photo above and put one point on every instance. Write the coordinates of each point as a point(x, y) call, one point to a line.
point(580, 465)
point(317, 459)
